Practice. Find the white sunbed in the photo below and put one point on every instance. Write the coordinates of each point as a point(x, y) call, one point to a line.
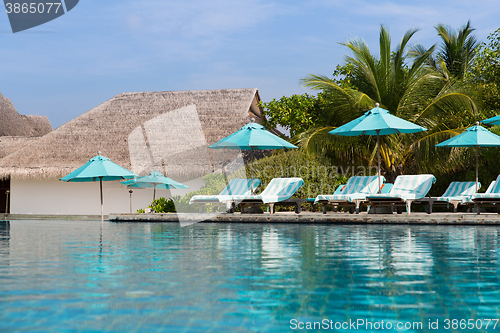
point(406, 189)
point(279, 191)
point(234, 187)
point(457, 193)
point(353, 194)
point(490, 198)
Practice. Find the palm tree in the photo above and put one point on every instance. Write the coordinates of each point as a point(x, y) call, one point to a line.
point(408, 89)
point(456, 54)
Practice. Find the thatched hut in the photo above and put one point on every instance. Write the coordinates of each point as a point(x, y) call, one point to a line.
point(144, 131)
point(16, 131)
point(14, 124)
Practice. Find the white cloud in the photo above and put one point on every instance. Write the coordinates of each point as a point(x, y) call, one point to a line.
point(190, 30)
point(195, 18)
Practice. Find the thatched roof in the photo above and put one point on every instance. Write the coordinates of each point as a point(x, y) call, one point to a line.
point(10, 144)
point(40, 125)
point(167, 131)
point(13, 124)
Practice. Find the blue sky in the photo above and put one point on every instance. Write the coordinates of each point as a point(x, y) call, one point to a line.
point(104, 47)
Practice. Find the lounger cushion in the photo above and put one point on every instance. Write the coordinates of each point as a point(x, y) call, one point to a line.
point(279, 189)
point(408, 187)
point(493, 191)
point(486, 196)
point(357, 187)
point(459, 191)
point(234, 187)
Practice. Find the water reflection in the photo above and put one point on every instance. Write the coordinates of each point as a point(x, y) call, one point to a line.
point(409, 256)
point(4, 239)
point(223, 275)
point(278, 251)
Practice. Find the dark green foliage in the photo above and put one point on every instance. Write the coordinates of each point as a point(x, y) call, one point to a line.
point(214, 184)
point(296, 113)
point(319, 177)
point(404, 81)
point(423, 85)
point(162, 205)
point(457, 50)
point(484, 75)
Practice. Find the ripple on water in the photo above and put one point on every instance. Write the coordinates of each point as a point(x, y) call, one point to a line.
point(68, 275)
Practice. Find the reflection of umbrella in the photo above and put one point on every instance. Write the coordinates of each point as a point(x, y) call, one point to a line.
point(475, 136)
point(99, 168)
point(154, 180)
point(252, 137)
point(377, 122)
point(492, 121)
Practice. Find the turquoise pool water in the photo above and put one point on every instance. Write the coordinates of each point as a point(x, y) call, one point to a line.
point(86, 277)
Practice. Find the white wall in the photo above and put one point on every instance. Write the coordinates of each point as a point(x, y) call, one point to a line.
point(52, 196)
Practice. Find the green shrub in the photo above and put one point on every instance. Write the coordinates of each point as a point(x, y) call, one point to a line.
point(319, 178)
point(162, 205)
point(214, 184)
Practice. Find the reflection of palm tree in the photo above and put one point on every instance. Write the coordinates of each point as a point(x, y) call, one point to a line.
point(413, 92)
point(4, 237)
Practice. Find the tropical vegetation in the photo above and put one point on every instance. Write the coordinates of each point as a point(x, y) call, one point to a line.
point(446, 88)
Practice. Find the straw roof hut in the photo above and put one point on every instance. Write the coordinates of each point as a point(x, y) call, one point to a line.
point(38, 125)
point(140, 131)
point(14, 124)
point(10, 144)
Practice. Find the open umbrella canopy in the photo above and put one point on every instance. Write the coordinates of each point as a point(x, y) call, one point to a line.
point(472, 137)
point(377, 121)
point(252, 136)
point(492, 121)
point(98, 168)
point(154, 179)
point(475, 136)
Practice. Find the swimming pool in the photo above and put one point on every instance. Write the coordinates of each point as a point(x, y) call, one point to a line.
point(69, 276)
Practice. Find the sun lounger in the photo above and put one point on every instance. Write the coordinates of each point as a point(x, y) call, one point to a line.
point(355, 192)
point(491, 187)
point(457, 193)
point(490, 198)
point(278, 192)
point(338, 190)
point(386, 188)
point(406, 189)
point(234, 187)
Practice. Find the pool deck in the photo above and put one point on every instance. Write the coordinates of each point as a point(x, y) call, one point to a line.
point(309, 217)
point(281, 217)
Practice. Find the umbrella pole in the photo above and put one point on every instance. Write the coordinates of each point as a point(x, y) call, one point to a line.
point(251, 170)
point(130, 191)
point(378, 156)
point(154, 192)
point(102, 205)
point(477, 167)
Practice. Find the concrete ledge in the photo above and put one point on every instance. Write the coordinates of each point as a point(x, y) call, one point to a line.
point(53, 217)
point(331, 218)
point(281, 217)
